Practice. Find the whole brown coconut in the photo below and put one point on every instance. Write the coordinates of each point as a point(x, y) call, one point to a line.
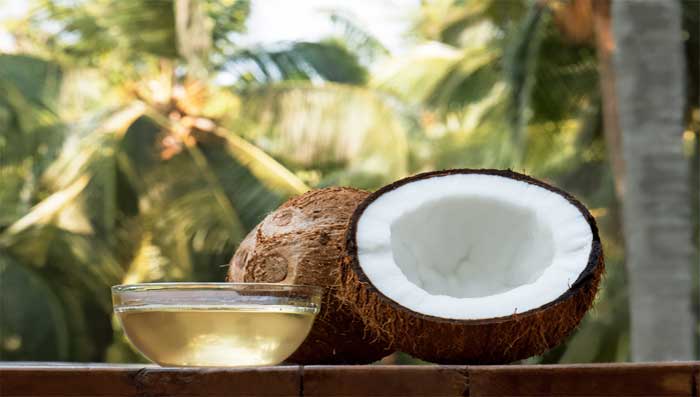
point(386, 276)
point(302, 242)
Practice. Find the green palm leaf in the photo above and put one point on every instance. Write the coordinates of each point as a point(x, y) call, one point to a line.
point(197, 204)
point(367, 47)
point(30, 130)
point(440, 77)
point(40, 329)
point(266, 64)
point(37, 80)
point(90, 151)
point(51, 211)
point(58, 227)
point(89, 31)
point(451, 21)
point(330, 128)
point(271, 173)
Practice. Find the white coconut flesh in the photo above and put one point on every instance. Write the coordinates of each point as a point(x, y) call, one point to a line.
point(472, 246)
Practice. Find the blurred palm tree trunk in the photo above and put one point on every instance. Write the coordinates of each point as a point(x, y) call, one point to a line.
point(193, 32)
point(604, 47)
point(650, 86)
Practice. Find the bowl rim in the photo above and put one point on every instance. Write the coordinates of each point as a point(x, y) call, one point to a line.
point(188, 285)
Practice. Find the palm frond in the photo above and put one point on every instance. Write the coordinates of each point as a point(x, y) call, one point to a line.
point(453, 22)
point(82, 260)
point(442, 16)
point(361, 42)
point(328, 127)
point(415, 77)
point(40, 328)
point(199, 202)
point(520, 62)
point(441, 77)
point(149, 263)
point(60, 226)
point(50, 210)
point(322, 61)
point(90, 150)
point(79, 269)
point(565, 77)
point(271, 173)
point(30, 130)
point(37, 80)
point(46, 229)
point(29, 90)
point(89, 141)
point(89, 31)
point(228, 18)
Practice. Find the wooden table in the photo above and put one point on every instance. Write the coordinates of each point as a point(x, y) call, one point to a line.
point(101, 380)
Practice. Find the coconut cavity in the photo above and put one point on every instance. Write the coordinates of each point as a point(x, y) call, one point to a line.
point(467, 246)
point(471, 266)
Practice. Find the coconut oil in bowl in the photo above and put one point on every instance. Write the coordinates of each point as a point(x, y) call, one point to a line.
point(216, 324)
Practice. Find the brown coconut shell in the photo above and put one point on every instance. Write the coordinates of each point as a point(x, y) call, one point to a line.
point(486, 341)
point(303, 242)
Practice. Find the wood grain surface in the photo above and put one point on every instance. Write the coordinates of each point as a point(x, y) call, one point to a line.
point(101, 380)
point(667, 379)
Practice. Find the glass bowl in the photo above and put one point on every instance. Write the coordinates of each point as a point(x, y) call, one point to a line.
point(216, 324)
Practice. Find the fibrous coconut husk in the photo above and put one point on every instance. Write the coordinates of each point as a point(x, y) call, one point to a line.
point(487, 341)
point(302, 242)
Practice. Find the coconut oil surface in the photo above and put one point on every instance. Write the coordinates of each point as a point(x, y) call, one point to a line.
point(216, 336)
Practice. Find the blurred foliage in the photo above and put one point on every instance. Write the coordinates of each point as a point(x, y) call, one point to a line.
point(135, 148)
point(325, 61)
point(352, 135)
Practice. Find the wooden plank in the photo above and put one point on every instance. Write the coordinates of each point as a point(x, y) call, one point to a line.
point(385, 380)
point(122, 381)
point(651, 379)
point(102, 380)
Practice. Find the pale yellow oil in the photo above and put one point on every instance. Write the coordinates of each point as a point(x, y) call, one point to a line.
point(200, 336)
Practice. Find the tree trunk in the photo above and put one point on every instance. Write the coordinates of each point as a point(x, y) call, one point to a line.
point(650, 83)
point(606, 70)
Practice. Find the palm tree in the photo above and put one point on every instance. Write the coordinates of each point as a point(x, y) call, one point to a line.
point(183, 140)
point(649, 65)
point(163, 178)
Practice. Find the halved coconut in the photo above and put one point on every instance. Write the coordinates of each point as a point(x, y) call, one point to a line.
point(471, 266)
point(302, 242)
